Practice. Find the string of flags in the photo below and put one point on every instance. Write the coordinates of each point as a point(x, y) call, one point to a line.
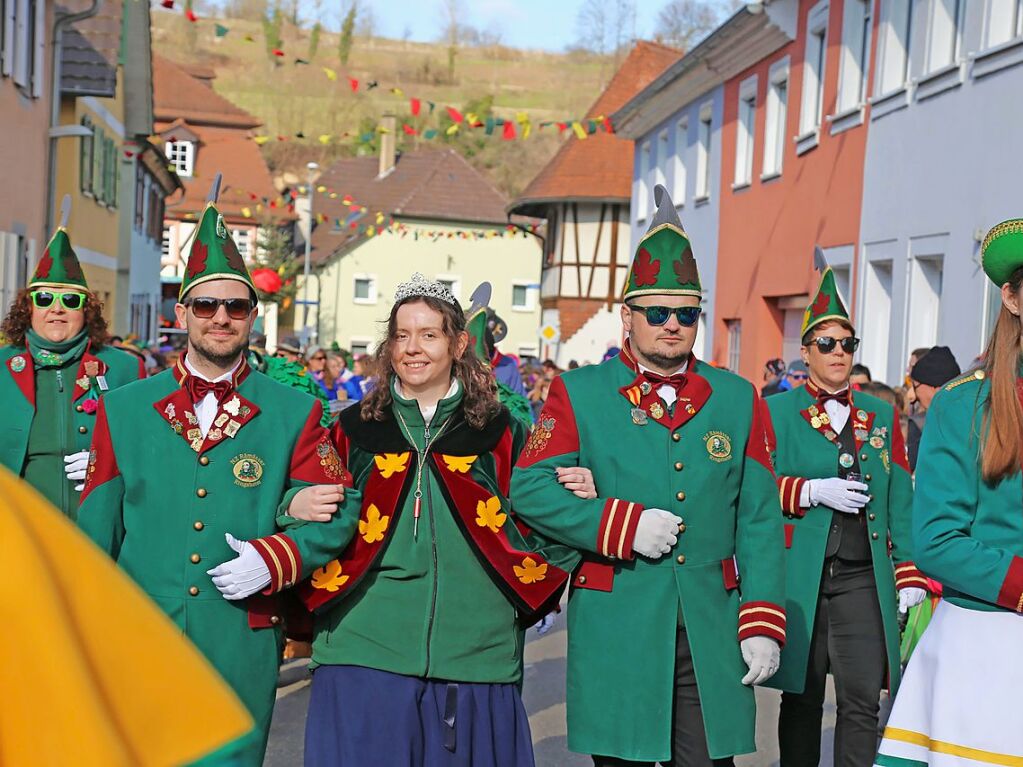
point(509, 129)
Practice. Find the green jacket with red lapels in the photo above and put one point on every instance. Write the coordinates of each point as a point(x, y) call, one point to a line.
point(805, 447)
point(704, 460)
point(159, 499)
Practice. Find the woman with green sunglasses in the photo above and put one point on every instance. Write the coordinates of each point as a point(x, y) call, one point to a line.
point(53, 370)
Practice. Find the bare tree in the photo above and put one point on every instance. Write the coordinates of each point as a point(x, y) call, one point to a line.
point(606, 28)
point(683, 23)
point(344, 45)
point(453, 12)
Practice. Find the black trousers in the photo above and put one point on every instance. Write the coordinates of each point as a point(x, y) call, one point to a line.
point(848, 641)
point(688, 738)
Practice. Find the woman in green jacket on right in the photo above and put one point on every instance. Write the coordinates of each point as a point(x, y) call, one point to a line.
point(959, 700)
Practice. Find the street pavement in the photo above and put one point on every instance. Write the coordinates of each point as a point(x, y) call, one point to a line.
point(544, 698)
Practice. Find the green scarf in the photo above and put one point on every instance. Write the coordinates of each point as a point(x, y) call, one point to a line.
point(54, 354)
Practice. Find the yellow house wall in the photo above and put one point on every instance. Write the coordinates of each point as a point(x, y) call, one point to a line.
point(390, 259)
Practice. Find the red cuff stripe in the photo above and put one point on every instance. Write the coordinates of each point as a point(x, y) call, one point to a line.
point(1011, 594)
point(618, 528)
point(907, 576)
point(789, 491)
point(762, 619)
point(282, 559)
point(629, 531)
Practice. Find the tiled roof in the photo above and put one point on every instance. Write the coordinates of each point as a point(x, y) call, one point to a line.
point(178, 94)
point(599, 167)
point(427, 184)
point(90, 52)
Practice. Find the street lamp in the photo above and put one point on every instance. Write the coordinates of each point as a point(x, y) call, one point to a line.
point(312, 167)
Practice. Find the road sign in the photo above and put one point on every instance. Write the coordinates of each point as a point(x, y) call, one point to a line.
point(549, 334)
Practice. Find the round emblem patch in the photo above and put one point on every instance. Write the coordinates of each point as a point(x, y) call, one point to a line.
point(17, 363)
point(845, 461)
point(719, 446)
point(247, 469)
point(876, 442)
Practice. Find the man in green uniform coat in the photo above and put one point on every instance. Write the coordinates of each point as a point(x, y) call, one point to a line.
point(846, 491)
point(676, 609)
point(184, 461)
point(53, 372)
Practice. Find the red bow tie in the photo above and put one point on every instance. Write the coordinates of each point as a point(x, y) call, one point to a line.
point(842, 397)
point(200, 387)
point(677, 381)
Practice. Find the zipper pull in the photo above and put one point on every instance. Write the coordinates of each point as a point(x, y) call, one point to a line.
point(426, 433)
point(60, 381)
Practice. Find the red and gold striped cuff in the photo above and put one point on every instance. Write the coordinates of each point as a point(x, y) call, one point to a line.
point(618, 528)
point(282, 558)
point(764, 619)
point(907, 576)
point(789, 490)
point(1010, 595)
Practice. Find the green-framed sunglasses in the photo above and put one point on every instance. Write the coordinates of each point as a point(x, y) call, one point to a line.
point(43, 299)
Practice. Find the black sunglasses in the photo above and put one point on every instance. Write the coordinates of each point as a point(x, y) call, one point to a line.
point(43, 299)
point(826, 344)
point(205, 307)
point(658, 315)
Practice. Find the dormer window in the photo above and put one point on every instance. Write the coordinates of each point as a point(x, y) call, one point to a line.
point(181, 155)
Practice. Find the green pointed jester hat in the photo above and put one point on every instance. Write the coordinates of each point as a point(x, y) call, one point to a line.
point(59, 267)
point(1002, 251)
point(213, 255)
point(827, 304)
point(664, 262)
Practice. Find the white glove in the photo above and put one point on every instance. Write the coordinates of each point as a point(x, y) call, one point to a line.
point(656, 533)
point(546, 623)
point(910, 597)
point(75, 466)
point(839, 494)
point(763, 656)
point(242, 576)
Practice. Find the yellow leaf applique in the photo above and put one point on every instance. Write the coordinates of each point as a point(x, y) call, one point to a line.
point(373, 527)
point(329, 577)
point(530, 572)
point(391, 463)
point(489, 514)
point(459, 463)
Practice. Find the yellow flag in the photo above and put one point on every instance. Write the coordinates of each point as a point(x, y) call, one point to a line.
point(380, 218)
point(397, 92)
point(321, 189)
point(579, 130)
point(330, 73)
point(324, 138)
point(260, 140)
point(472, 118)
point(452, 129)
point(247, 212)
point(370, 231)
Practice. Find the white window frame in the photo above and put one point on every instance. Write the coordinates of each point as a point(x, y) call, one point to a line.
point(662, 159)
point(776, 117)
point(678, 170)
point(854, 68)
point(181, 154)
point(530, 304)
point(373, 295)
point(704, 150)
point(745, 132)
point(243, 239)
point(456, 284)
point(734, 329)
point(1003, 22)
point(7, 62)
point(944, 35)
point(643, 191)
point(365, 341)
point(895, 38)
point(814, 70)
point(528, 350)
point(24, 44)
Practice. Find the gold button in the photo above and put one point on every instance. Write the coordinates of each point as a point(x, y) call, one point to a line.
point(195, 559)
point(680, 496)
point(204, 460)
point(194, 590)
point(872, 517)
point(681, 559)
point(198, 525)
point(863, 457)
point(275, 619)
point(581, 580)
point(682, 527)
point(678, 465)
point(201, 492)
point(676, 436)
point(867, 477)
point(874, 536)
point(82, 429)
point(79, 408)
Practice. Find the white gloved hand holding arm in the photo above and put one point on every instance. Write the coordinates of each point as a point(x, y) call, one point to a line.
point(843, 495)
point(656, 533)
point(242, 576)
point(763, 656)
point(75, 467)
point(910, 597)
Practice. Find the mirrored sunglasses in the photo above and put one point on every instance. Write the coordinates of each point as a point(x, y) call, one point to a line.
point(43, 299)
point(205, 307)
point(826, 344)
point(687, 316)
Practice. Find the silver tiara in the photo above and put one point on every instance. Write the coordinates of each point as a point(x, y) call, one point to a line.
point(420, 286)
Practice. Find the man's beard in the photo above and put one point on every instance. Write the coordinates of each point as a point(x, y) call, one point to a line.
point(664, 361)
point(220, 359)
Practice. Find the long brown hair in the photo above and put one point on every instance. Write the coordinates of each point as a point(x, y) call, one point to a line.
point(1002, 451)
point(479, 400)
point(19, 320)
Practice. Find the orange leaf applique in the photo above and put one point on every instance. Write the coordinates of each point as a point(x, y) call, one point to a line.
point(329, 577)
point(489, 514)
point(459, 463)
point(391, 463)
point(373, 527)
point(530, 572)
